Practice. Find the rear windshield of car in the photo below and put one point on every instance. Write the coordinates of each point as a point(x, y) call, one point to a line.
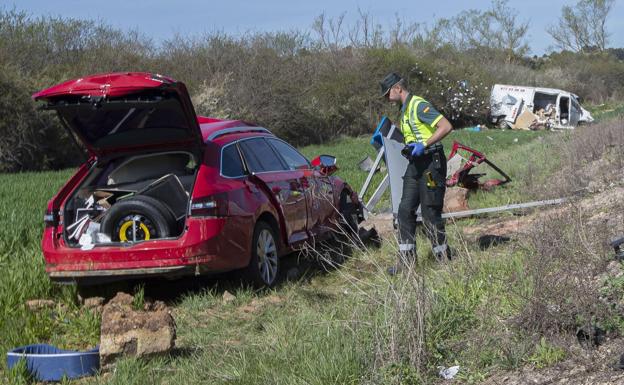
point(260, 156)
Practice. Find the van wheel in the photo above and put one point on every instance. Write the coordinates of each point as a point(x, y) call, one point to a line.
point(139, 218)
point(501, 123)
point(263, 266)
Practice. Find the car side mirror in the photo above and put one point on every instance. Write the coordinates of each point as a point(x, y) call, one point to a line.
point(326, 164)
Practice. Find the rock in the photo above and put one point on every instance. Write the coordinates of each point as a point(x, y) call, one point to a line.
point(248, 309)
point(456, 199)
point(38, 304)
point(155, 306)
point(614, 268)
point(274, 299)
point(228, 297)
point(136, 333)
point(121, 300)
point(94, 303)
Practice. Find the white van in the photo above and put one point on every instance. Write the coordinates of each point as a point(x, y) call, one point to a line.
point(535, 107)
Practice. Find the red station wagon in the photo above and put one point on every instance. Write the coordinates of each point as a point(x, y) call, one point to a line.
point(168, 193)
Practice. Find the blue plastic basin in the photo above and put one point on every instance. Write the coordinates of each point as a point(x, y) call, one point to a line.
point(49, 363)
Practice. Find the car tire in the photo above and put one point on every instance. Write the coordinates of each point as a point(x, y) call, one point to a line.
point(263, 268)
point(151, 219)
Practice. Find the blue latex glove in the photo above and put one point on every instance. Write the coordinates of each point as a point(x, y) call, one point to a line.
point(418, 149)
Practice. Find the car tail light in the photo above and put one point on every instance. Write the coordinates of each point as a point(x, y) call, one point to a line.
point(51, 218)
point(211, 206)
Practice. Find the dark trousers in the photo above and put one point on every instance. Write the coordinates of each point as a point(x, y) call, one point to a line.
point(424, 184)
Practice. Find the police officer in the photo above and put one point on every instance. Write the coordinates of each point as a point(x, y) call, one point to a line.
point(424, 182)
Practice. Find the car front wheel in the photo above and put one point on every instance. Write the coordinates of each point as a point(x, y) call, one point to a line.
point(264, 264)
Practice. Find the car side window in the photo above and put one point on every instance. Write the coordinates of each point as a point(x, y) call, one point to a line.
point(292, 157)
point(231, 164)
point(260, 156)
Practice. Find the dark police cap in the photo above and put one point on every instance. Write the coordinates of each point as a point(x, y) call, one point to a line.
point(391, 79)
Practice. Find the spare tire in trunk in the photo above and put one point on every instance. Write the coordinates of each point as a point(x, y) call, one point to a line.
point(139, 218)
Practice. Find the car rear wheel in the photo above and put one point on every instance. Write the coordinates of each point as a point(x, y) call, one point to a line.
point(264, 263)
point(140, 218)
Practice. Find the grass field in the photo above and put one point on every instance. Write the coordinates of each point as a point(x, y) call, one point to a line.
point(339, 327)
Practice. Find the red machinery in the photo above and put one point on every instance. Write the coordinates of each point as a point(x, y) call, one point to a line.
point(462, 176)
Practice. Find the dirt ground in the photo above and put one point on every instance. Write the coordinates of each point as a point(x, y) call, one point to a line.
point(597, 207)
point(585, 367)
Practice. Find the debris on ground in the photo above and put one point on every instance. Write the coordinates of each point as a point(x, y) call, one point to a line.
point(136, 333)
point(253, 307)
point(590, 336)
point(476, 128)
point(369, 237)
point(617, 248)
point(620, 363)
point(614, 269)
point(39, 304)
point(448, 373)
point(95, 304)
point(525, 121)
point(382, 222)
point(455, 199)
point(489, 240)
point(228, 297)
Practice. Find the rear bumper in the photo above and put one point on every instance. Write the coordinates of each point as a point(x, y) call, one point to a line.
point(91, 277)
point(201, 249)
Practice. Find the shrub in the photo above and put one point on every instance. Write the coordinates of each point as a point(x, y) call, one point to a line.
point(29, 139)
point(306, 88)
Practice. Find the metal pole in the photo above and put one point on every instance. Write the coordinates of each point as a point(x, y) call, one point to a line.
point(468, 213)
point(378, 193)
point(380, 154)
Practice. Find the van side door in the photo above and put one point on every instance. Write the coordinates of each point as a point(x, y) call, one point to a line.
point(575, 112)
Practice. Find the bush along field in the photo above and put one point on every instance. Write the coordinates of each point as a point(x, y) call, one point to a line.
point(511, 304)
point(323, 81)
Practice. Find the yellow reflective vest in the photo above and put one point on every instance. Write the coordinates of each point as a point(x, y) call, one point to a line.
point(412, 128)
